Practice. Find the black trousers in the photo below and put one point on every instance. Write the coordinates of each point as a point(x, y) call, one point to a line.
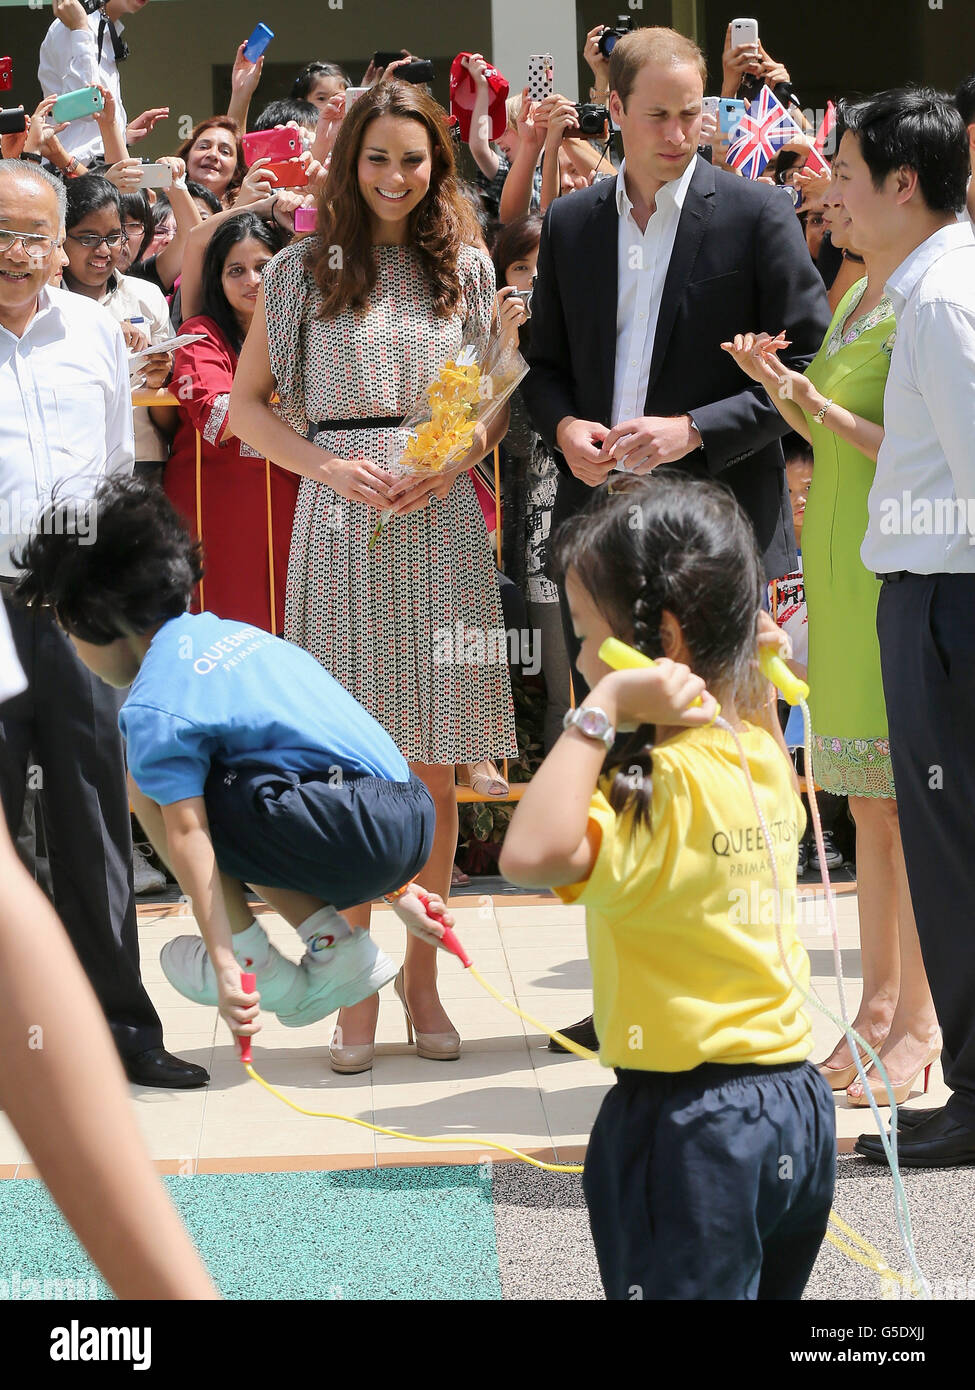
point(64, 726)
point(926, 625)
point(714, 1183)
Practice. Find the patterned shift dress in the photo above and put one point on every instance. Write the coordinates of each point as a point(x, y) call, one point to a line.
point(413, 629)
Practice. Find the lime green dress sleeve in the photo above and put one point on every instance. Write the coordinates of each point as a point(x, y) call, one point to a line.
point(851, 754)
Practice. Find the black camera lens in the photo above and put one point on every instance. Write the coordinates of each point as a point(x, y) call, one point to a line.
point(607, 39)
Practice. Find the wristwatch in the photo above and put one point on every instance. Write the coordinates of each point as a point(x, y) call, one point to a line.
point(591, 721)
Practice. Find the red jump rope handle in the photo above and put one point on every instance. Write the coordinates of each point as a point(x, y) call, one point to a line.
point(450, 938)
point(248, 983)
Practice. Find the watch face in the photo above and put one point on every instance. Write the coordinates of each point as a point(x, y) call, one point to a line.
point(593, 723)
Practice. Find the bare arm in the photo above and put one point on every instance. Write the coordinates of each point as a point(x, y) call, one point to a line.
point(169, 261)
point(65, 1092)
point(483, 155)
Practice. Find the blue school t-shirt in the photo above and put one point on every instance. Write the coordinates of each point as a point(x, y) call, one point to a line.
point(214, 689)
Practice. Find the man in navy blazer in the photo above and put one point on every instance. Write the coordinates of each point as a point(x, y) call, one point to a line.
point(640, 280)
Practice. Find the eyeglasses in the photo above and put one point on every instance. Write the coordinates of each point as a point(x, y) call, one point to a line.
point(37, 247)
point(133, 229)
point(92, 239)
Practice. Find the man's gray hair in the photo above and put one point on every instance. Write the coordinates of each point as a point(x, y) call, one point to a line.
point(27, 171)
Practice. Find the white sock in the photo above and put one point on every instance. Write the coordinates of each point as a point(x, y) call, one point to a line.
point(324, 928)
point(251, 947)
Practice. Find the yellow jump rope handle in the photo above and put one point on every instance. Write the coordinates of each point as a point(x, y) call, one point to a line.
point(623, 658)
point(774, 669)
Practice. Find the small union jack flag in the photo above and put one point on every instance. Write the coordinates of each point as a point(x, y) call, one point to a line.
point(761, 133)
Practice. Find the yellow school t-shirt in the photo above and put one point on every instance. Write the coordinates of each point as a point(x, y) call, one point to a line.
point(680, 920)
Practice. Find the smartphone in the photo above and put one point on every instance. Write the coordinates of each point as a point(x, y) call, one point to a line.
point(417, 72)
point(6, 74)
point(744, 31)
point(709, 105)
point(271, 144)
point(288, 174)
point(74, 106)
point(13, 121)
point(730, 112)
point(383, 59)
point(257, 42)
point(541, 76)
point(306, 219)
point(156, 176)
point(352, 94)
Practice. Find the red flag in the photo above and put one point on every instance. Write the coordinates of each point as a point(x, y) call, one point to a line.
point(816, 163)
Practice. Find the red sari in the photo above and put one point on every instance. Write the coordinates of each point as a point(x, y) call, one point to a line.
point(229, 510)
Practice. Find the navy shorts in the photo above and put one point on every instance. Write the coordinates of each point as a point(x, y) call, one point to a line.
point(714, 1183)
point(346, 843)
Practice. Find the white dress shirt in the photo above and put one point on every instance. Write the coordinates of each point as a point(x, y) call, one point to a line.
point(12, 678)
point(922, 502)
point(128, 297)
point(69, 60)
point(65, 410)
point(643, 259)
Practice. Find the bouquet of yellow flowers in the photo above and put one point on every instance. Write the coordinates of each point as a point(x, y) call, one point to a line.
point(470, 390)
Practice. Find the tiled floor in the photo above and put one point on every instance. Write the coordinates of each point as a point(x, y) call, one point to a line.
point(506, 1086)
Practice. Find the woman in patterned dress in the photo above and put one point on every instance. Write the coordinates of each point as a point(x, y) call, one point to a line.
point(851, 753)
point(352, 325)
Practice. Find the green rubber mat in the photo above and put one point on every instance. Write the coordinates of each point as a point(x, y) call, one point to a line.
point(388, 1233)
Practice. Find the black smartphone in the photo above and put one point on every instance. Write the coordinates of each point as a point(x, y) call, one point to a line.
point(417, 72)
point(382, 60)
point(13, 121)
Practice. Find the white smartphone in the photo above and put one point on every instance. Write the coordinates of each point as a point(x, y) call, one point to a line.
point(156, 176)
point(744, 31)
point(353, 94)
point(709, 105)
point(541, 76)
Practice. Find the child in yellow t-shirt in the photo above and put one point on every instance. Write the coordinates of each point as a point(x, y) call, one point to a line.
point(710, 1168)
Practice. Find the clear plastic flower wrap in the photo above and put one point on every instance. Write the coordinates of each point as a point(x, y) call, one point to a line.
point(469, 390)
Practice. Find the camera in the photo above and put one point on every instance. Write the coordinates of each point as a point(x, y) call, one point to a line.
point(591, 118)
point(90, 6)
point(418, 72)
point(607, 39)
point(525, 296)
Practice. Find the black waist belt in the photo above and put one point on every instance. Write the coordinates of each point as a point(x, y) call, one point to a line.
point(366, 422)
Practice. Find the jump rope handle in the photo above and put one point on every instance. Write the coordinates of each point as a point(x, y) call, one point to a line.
point(621, 657)
point(248, 983)
point(450, 938)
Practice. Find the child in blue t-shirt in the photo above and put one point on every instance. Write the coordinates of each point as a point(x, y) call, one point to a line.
point(248, 765)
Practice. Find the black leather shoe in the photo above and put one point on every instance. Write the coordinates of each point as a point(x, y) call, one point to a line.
point(583, 1033)
point(157, 1067)
point(938, 1143)
point(910, 1119)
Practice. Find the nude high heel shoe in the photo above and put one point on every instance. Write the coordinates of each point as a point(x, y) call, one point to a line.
point(436, 1047)
point(347, 1061)
point(901, 1090)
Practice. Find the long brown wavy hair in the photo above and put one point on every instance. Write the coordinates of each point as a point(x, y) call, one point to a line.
point(221, 123)
point(438, 226)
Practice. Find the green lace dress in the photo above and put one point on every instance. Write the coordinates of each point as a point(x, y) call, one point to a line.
point(851, 754)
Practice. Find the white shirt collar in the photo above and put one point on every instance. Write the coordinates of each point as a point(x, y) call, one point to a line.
point(674, 191)
point(903, 280)
point(45, 305)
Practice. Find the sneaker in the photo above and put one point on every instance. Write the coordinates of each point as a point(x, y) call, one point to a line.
point(834, 858)
point(803, 863)
point(144, 876)
point(345, 974)
point(187, 967)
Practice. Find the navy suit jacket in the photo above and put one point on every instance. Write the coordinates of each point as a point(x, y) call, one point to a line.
point(739, 264)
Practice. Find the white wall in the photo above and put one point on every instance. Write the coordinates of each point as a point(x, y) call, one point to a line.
point(523, 27)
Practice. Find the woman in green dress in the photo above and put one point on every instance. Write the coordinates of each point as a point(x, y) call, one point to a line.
point(838, 406)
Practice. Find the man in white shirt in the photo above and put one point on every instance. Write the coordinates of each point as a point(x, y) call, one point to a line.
point(66, 421)
point(905, 169)
point(84, 50)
